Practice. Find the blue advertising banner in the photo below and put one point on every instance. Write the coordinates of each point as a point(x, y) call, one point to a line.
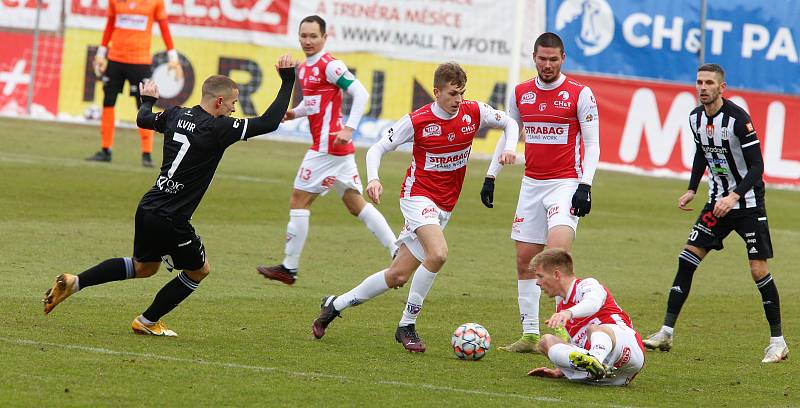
point(755, 42)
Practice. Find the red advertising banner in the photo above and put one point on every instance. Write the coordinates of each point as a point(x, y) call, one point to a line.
point(15, 74)
point(646, 125)
point(264, 16)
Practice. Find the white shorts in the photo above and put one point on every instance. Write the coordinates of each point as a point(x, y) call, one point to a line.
point(321, 171)
point(627, 358)
point(543, 204)
point(419, 211)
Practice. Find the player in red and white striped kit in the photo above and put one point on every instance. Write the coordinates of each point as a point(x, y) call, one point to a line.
point(330, 161)
point(559, 119)
point(603, 348)
point(442, 133)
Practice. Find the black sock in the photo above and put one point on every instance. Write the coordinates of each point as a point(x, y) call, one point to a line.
point(687, 264)
point(107, 271)
point(772, 304)
point(172, 294)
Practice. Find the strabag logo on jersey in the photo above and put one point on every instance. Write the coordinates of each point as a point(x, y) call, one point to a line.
point(546, 132)
point(470, 127)
point(528, 98)
point(449, 161)
point(311, 103)
point(432, 130)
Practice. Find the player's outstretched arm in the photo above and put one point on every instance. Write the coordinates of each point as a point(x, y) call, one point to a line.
point(272, 117)
point(148, 90)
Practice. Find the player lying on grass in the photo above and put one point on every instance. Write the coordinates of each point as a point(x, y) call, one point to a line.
point(603, 349)
point(194, 141)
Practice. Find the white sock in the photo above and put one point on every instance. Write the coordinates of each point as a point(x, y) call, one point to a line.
point(528, 300)
point(77, 285)
point(777, 340)
point(145, 321)
point(420, 285)
point(559, 355)
point(668, 330)
point(601, 345)
point(296, 233)
point(370, 287)
point(376, 223)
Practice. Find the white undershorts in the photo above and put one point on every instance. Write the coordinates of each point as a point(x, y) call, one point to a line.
point(321, 171)
point(419, 211)
point(542, 205)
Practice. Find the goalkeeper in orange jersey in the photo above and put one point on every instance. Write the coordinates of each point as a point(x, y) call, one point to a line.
point(125, 55)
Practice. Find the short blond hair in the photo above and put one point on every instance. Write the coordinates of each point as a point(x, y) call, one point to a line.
point(218, 85)
point(551, 259)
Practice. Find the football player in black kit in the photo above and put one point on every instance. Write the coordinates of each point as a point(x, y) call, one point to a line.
point(726, 145)
point(194, 141)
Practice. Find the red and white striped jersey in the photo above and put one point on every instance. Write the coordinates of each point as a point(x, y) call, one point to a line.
point(322, 102)
point(442, 144)
point(609, 312)
point(552, 117)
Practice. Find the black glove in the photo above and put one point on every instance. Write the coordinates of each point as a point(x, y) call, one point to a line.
point(487, 192)
point(582, 200)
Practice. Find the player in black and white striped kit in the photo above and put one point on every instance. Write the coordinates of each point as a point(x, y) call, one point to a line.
point(195, 140)
point(728, 147)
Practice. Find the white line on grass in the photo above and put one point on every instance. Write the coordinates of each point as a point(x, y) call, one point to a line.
point(62, 162)
point(97, 350)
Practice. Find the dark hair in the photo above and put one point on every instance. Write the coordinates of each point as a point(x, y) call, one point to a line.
point(549, 40)
point(551, 259)
point(449, 73)
point(716, 68)
point(218, 85)
point(315, 19)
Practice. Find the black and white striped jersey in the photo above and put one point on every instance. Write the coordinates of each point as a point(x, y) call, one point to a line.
point(728, 143)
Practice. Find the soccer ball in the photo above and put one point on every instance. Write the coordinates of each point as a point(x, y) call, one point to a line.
point(471, 341)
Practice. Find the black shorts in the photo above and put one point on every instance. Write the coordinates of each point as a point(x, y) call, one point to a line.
point(160, 238)
point(751, 224)
point(117, 73)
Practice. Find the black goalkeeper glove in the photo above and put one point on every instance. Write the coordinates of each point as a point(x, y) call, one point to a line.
point(487, 192)
point(582, 200)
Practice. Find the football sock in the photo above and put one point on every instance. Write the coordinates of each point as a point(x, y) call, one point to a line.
point(296, 233)
point(668, 330)
point(772, 304)
point(370, 287)
point(777, 340)
point(107, 127)
point(377, 224)
point(559, 355)
point(172, 294)
point(420, 285)
point(147, 140)
point(601, 345)
point(687, 264)
point(107, 271)
point(145, 321)
point(528, 299)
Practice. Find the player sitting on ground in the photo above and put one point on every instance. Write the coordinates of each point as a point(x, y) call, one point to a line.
point(604, 349)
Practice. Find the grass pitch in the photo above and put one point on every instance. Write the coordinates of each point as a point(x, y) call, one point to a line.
point(246, 342)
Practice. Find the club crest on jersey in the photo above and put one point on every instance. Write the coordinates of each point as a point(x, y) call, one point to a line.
point(724, 134)
point(451, 136)
point(432, 130)
point(710, 130)
point(542, 107)
point(749, 127)
point(528, 98)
